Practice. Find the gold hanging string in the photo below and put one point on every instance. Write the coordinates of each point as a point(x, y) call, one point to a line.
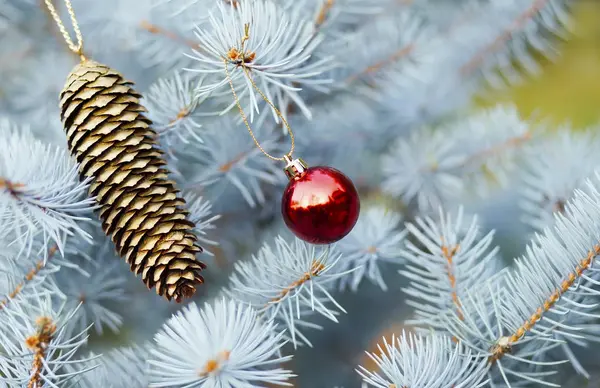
point(76, 48)
point(241, 63)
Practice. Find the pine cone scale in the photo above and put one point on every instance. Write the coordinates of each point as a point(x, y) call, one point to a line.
point(129, 181)
point(111, 215)
point(121, 236)
point(140, 209)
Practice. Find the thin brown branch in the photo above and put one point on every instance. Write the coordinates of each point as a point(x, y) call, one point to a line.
point(486, 153)
point(489, 152)
point(384, 63)
point(324, 12)
point(315, 270)
point(28, 277)
point(39, 343)
point(449, 253)
point(504, 344)
point(228, 165)
point(502, 39)
point(154, 29)
point(12, 187)
point(183, 113)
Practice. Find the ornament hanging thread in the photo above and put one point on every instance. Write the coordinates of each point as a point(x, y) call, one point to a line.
point(139, 206)
point(320, 204)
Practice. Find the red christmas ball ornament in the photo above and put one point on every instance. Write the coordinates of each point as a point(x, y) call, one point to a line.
point(320, 204)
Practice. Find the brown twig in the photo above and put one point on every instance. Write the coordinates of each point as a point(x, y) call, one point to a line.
point(323, 12)
point(315, 270)
point(183, 113)
point(10, 186)
point(28, 277)
point(504, 344)
point(510, 143)
point(488, 152)
point(154, 29)
point(499, 42)
point(228, 165)
point(449, 253)
point(38, 343)
point(381, 64)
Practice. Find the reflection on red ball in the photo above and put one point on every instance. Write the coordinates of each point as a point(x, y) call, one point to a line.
point(321, 205)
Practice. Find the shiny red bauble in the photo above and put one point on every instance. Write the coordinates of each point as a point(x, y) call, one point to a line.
point(320, 205)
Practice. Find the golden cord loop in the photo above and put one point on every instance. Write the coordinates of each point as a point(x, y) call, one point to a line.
point(76, 48)
point(237, 101)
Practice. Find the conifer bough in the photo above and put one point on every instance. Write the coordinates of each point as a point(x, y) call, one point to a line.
point(139, 205)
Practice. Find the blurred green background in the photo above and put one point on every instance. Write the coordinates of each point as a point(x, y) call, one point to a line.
point(568, 90)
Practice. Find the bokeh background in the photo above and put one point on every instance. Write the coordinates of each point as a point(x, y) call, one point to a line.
point(566, 91)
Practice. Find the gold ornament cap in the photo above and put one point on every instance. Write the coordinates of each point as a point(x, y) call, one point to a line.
point(294, 168)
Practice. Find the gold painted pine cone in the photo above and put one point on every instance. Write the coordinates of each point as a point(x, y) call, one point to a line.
point(109, 135)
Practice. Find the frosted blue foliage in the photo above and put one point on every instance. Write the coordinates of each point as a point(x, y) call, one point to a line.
point(334, 18)
point(379, 89)
point(167, 35)
point(449, 256)
point(498, 34)
point(25, 276)
point(278, 55)
point(242, 230)
point(118, 368)
point(175, 112)
point(445, 13)
point(41, 195)
point(375, 240)
point(15, 47)
point(23, 321)
point(33, 275)
point(536, 306)
point(491, 142)
point(552, 170)
point(532, 24)
point(8, 15)
point(97, 286)
point(422, 168)
point(289, 282)
point(203, 218)
point(187, 13)
point(34, 93)
point(224, 344)
point(349, 117)
point(468, 156)
point(423, 92)
point(571, 344)
point(228, 161)
point(471, 49)
point(485, 333)
point(112, 24)
point(22, 19)
point(425, 362)
point(390, 41)
point(237, 235)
